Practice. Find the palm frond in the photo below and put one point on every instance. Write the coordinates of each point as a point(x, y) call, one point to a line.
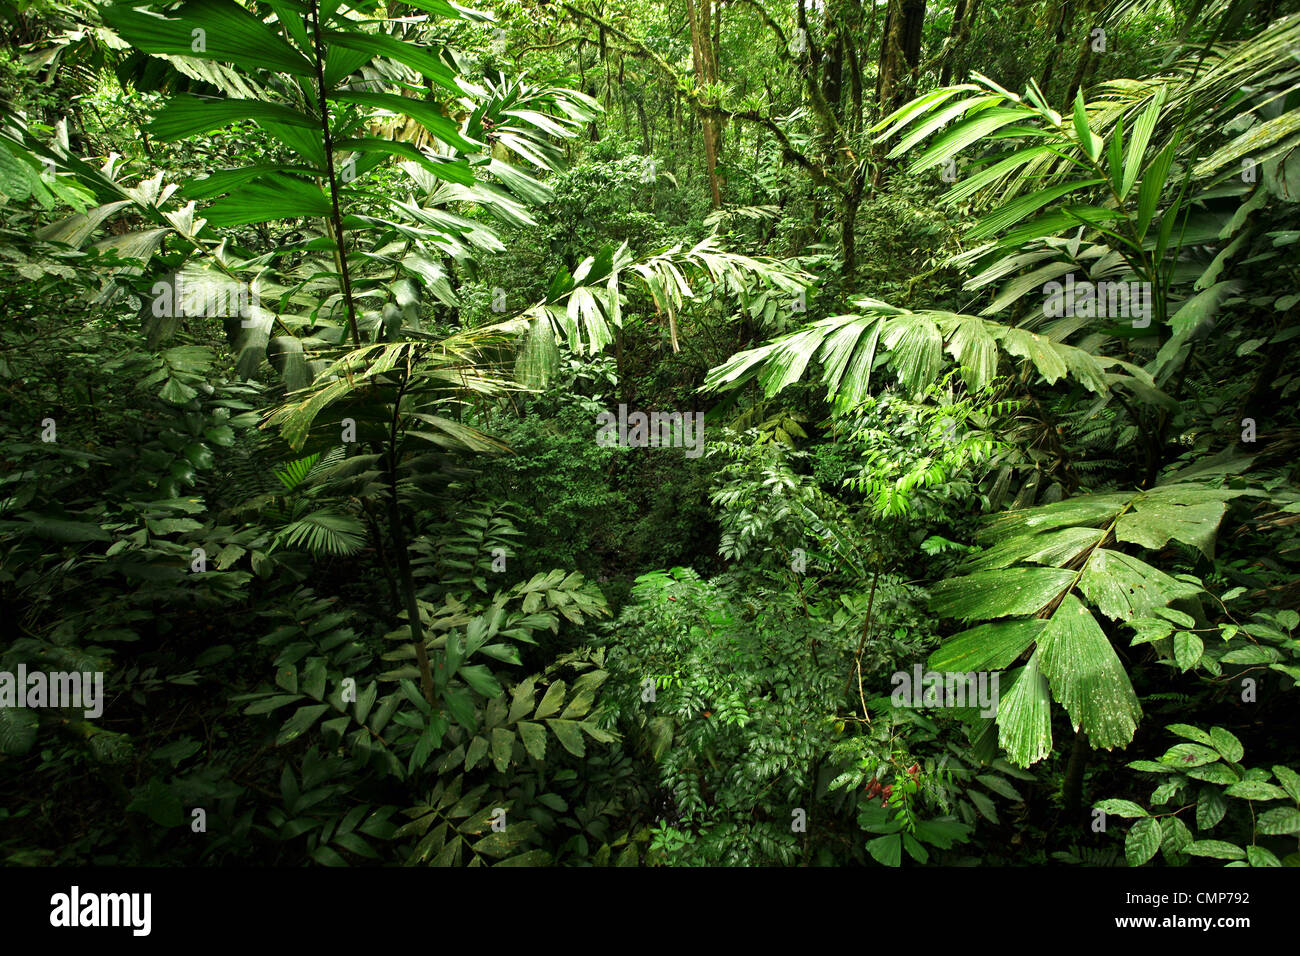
point(914, 345)
point(324, 532)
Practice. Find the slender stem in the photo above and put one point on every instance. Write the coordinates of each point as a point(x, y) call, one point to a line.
point(398, 534)
point(1072, 786)
point(862, 643)
point(336, 224)
point(377, 536)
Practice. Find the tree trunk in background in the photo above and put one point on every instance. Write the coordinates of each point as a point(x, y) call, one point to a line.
point(854, 63)
point(646, 144)
point(885, 69)
point(704, 35)
point(900, 58)
point(913, 33)
point(833, 69)
point(900, 53)
point(849, 222)
point(1087, 63)
point(1062, 34)
point(1072, 786)
point(715, 70)
point(595, 131)
point(823, 70)
point(604, 62)
point(962, 21)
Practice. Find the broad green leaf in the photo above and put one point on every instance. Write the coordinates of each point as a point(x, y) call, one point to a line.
point(1087, 509)
point(413, 55)
point(569, 734)
point(534, 738)
point(1195, 316)
point(1256, 790)
point(1090, 141)
point(76, 229)
point(208, 29)
point(1188, 649)
point(988, 647)
point(551, 700)
point(1216, 849)
point(1002, 593)
point(983, 805)
point(1279, 822)
point(1210, 808)
point(973, 346)
point(1024, 714)
point(1054, 548)
point(1152, 187)
point(499, 843)
point(1176, 839)
point(1262, 856)
point(1226, 744)
point(521, 702)
point(423, 112)
point(1120, 808)
point(1087, 677)
point(1190, 515)
point(1142, 841)
point(1214, 773)
point(274, 196)
point(1188, 755)
point(1142, 129)
point(452, 171)
point(886, 850)
point(186, 116)
point(160, 803)
point(300, 723)
point(1124, 588)
point(478, 748)
point(1290, 781)
point(916, 348)
point(481, 679)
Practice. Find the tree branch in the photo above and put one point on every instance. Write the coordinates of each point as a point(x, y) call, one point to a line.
point(703, 108)
point(784, 44)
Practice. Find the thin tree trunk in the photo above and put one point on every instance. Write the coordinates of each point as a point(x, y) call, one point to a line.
point(962, 22)
point(646, 144)
point(397, 532)
point(900, 57)
point(699, 15)
point(1054, 54)
point(1074, 770)
point(1087, 63)
point(336, 221)
point(848, 223)
point(900, 52)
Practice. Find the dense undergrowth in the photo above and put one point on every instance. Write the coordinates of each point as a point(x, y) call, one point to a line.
point(324, 332)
